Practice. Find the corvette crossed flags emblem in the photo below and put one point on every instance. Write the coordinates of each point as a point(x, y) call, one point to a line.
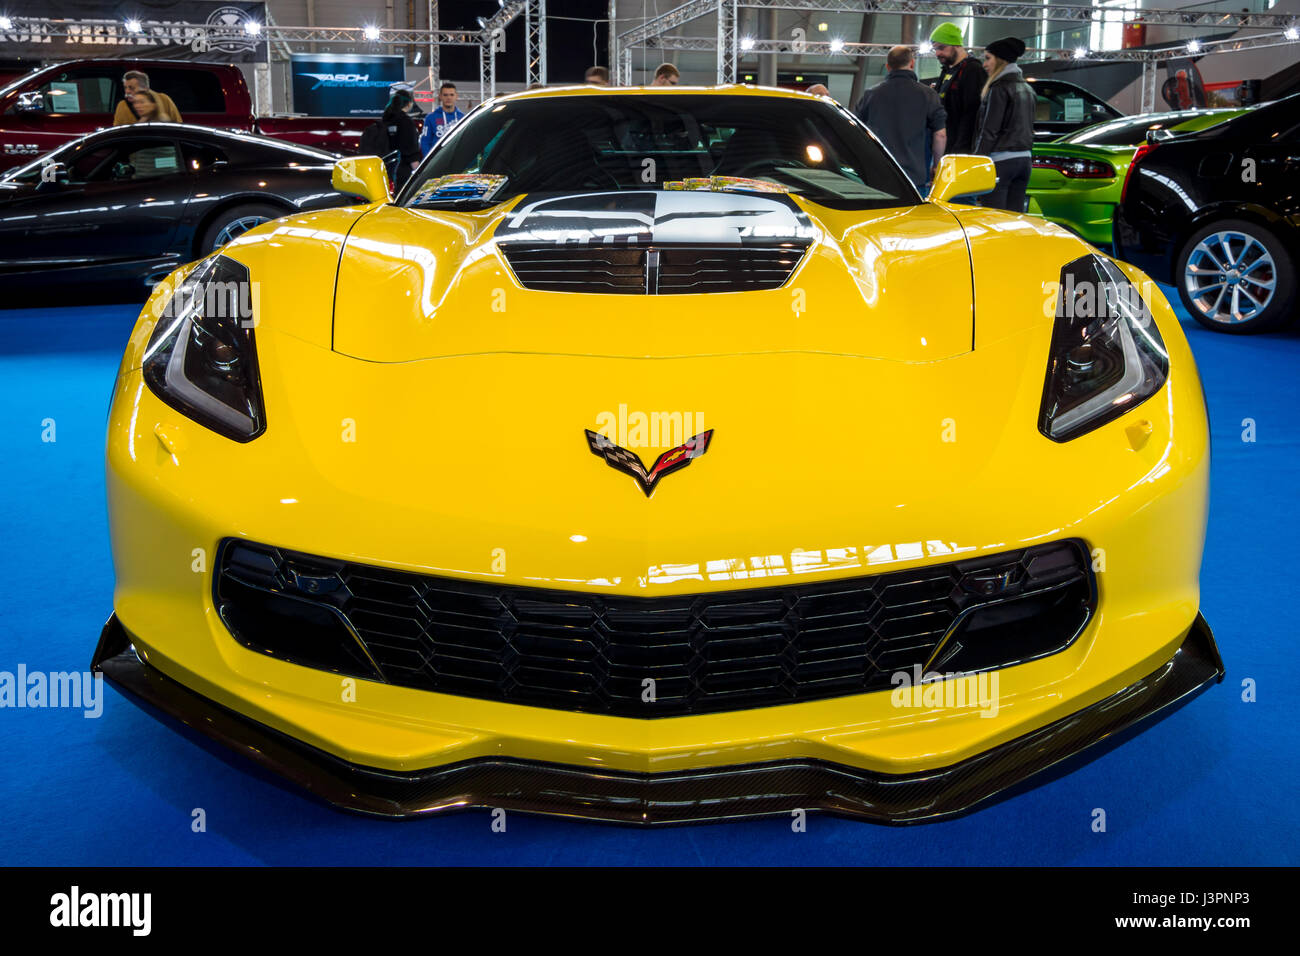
point(629, 462)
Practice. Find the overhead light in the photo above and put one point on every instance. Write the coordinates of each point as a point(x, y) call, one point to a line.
point(1193, 46)
point(252, 27)
point(372, 33)
point(925, 48)
point(1080, 52)
point(132, 26)
point(747, 43)
point(482, 24)
point(6, 23)
point(419, 54)
point(837, 45)
point(823, 26)
point(1291, 33)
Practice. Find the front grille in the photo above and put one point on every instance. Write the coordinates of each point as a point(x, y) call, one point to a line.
point(706, 652)
point(657, 270)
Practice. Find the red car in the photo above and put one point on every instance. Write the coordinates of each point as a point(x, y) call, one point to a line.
point(53, 105)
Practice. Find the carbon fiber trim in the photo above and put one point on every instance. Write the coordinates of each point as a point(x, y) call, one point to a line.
point(718, 793)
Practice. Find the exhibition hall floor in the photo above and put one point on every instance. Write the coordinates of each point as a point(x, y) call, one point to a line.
point(1211, 784)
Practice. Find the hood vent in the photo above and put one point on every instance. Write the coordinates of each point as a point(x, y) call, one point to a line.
point(656, 270)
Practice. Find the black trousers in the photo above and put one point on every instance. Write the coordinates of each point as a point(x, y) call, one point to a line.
point(1009, 193)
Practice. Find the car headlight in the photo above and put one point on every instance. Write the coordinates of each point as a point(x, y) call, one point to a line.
point(201, 359)
point(1107, 356)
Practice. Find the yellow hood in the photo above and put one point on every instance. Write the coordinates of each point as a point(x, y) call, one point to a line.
point(416, 284)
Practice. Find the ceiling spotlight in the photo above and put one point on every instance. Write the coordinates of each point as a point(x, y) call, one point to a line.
point(371, 33)
point(6, 23)
point(1193, 46)
point(747, 43)
point(837, 45)
point(823, 26)
point(132, 26)
point(1291, 33)
point(419, 55)
point(1080, 52)
point(925, 48)
point(252, 27)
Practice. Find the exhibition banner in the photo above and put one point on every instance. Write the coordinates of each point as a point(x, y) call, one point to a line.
point(336, 84)
point(162, 29)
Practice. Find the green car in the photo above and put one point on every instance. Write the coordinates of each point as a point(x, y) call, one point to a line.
point(1077, 180)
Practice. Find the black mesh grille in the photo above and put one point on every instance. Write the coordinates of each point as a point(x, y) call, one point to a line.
point(595, 652)
point(560, 268)
point(660, 270)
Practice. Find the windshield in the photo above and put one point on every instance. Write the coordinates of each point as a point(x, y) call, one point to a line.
point(634, 141)
point(1132, 130)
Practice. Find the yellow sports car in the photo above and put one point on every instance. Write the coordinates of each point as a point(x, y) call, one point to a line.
point(654, 456)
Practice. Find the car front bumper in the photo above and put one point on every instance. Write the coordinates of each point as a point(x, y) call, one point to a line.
point(712, 793)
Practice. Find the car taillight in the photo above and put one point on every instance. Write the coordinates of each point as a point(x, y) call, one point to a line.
point(1142, 151)
point(1075, 168)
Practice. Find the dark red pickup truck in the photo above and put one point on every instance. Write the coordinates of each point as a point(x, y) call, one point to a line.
point(57, 103)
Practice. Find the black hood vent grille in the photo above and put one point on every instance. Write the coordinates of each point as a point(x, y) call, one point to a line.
point(655, 270)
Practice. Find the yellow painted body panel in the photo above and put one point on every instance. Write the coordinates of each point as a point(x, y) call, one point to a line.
point(879, 429)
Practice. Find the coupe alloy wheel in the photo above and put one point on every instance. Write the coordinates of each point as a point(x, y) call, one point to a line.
point(236, 228)
point(1230, 277)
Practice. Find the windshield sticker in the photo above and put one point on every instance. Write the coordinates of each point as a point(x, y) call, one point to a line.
point(456, 186)
point(725, 184)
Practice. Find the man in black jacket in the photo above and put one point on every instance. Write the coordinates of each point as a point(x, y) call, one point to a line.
point(1006, 124)
point(906, 116)
point(960, 82)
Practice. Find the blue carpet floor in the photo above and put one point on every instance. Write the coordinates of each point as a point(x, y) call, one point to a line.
point(1212, 784)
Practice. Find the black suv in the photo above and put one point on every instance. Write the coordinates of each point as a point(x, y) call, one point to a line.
point(1217, 213)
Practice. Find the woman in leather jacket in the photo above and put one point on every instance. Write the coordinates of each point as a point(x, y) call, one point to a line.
point(1005, 131)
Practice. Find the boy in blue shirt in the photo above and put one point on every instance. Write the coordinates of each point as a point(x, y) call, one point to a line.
point(438, 122)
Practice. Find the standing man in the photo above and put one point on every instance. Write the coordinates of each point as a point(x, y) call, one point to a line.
point(596, 76)
point(438, 122)
point(666, 75)
point(133, 83)
point(905, 114)
point(960, 83)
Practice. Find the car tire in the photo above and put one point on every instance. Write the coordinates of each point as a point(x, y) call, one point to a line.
point(234, 222)
point(1236, 276)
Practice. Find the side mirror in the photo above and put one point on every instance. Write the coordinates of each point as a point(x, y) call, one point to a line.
point(960, 175)
point(32, 102)
point(362, 176)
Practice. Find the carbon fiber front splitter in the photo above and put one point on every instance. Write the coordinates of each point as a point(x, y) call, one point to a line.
point(714, 793)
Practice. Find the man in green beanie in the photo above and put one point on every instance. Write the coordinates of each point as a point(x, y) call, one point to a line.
point(960, 84)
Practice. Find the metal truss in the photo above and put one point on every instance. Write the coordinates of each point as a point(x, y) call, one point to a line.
point(489, 38)
point(271, 33)
point(435, 49)
point(487, 72)
point(679, 16)
point(728, 55)
point(821, 48)
point(658, 26)
point(1005, 10)
point(653, 33)
point(535, 43)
